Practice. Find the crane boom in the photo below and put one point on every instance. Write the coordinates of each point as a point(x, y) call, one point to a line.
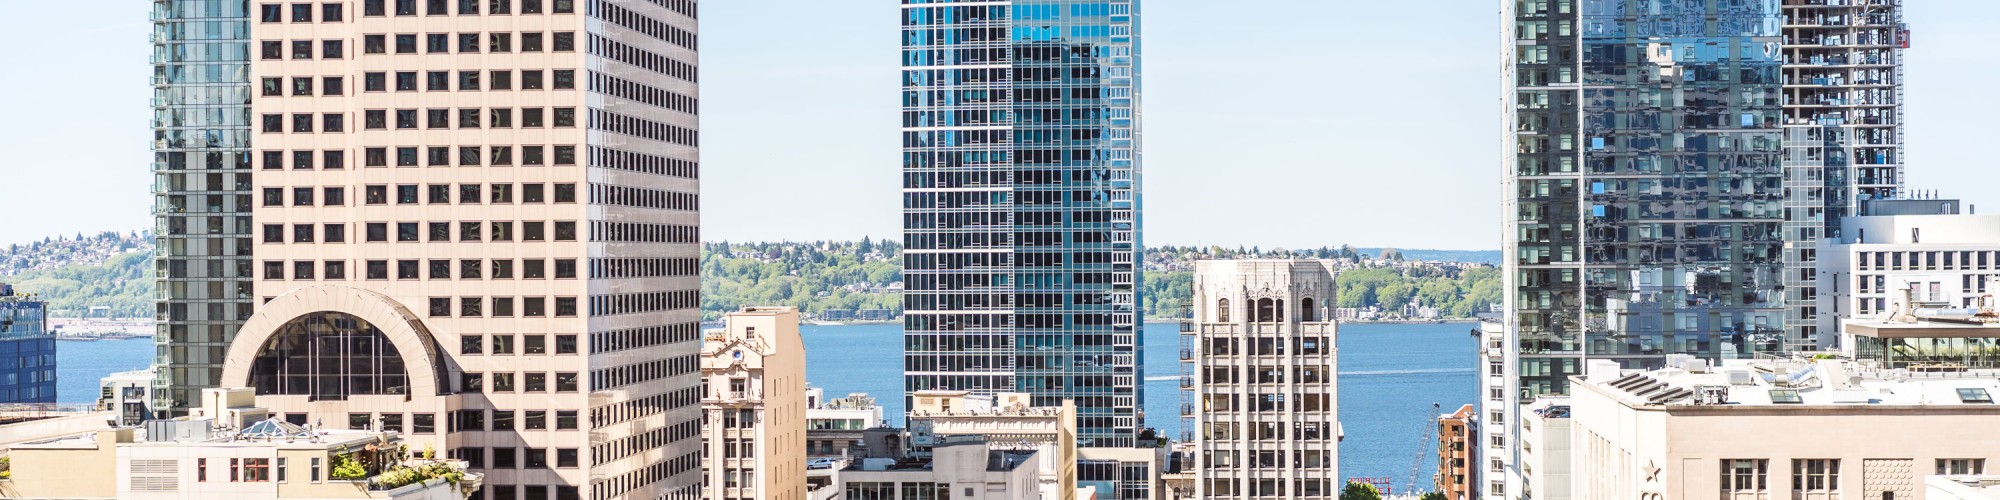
point(1426, 448)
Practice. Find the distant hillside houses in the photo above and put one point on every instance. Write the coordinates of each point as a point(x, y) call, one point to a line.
point(1172, 258)
point(80, 250)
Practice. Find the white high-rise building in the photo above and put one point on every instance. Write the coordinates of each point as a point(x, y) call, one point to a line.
point(476, 224)
point(1261, 364)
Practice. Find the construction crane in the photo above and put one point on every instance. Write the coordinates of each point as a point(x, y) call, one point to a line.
point(1426, 448)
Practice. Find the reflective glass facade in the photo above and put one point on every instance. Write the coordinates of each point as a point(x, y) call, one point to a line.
point(1021, 204)
point(27, 351)
point(201, 187)
point(1646, 183)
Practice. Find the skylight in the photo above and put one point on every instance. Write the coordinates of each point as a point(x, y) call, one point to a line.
point(1974, 395)
point(1786, 396)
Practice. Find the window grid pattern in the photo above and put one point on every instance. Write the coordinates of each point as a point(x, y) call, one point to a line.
point(1021, 170)
point(201, 163)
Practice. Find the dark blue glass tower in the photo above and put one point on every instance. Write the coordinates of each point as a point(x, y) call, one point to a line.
point(27, 350)
point(1021, 205)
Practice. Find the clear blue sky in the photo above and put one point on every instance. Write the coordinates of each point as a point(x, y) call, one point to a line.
point(1278, 123)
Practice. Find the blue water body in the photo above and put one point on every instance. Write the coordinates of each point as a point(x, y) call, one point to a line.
point(1389, 376)
point(79, 365)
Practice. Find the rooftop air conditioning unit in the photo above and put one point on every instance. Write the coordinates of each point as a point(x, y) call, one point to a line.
point(1695, 365)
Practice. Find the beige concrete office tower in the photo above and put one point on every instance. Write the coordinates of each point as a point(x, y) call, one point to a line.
point(754, 376)
point(477, 224)
point(1262, 375)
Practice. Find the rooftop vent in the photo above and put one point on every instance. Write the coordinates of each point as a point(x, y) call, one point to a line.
point(1711, 394)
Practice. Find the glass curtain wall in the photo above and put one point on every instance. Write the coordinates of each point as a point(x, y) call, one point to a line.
point(1021, 204)
point(1647, 168)
point(201, 167)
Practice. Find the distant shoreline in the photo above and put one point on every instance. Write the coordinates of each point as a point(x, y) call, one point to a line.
point(1168, 321)
point(1410, 321)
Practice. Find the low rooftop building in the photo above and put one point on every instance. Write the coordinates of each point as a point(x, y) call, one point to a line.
point(1962, 487)
point(1818, 428)
point(1004, 422)
point(961, 469)
point(231, 451)
point(1121, 473)
point(834, 428)
point(1927, 339)
point(128, 395)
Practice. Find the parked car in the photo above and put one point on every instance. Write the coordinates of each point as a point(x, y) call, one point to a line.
point(821, 463)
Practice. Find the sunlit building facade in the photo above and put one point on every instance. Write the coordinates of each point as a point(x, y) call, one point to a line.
point(1643, 193)
point(477, 224)
point(1261, 369)
point(1021, 204)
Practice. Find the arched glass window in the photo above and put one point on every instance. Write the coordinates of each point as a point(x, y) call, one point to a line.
point(1266, 311)
point(1222, 311)
point(1306, 310)
point(329, 356)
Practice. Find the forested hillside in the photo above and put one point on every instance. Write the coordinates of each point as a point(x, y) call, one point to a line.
point(114, 270)
point(122, 283)
point(73, 274)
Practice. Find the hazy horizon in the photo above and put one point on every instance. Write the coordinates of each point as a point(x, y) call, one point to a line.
point(1320, 126)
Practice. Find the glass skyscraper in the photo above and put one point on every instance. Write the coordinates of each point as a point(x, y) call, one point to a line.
point(201, 188)
point(1644, 192)
point(1021, 204)
point(1645, 184)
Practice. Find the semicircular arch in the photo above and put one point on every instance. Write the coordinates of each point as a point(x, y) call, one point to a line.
point(404, 331)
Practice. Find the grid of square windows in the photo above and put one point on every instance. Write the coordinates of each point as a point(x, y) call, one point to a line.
point(404, 8)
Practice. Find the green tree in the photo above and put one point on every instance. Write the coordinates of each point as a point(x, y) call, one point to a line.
point(1435, 495)
point(346, 467)
point(1360, 491)
point(1393, 295)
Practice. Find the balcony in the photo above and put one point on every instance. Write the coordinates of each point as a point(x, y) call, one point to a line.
point(734, 396)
